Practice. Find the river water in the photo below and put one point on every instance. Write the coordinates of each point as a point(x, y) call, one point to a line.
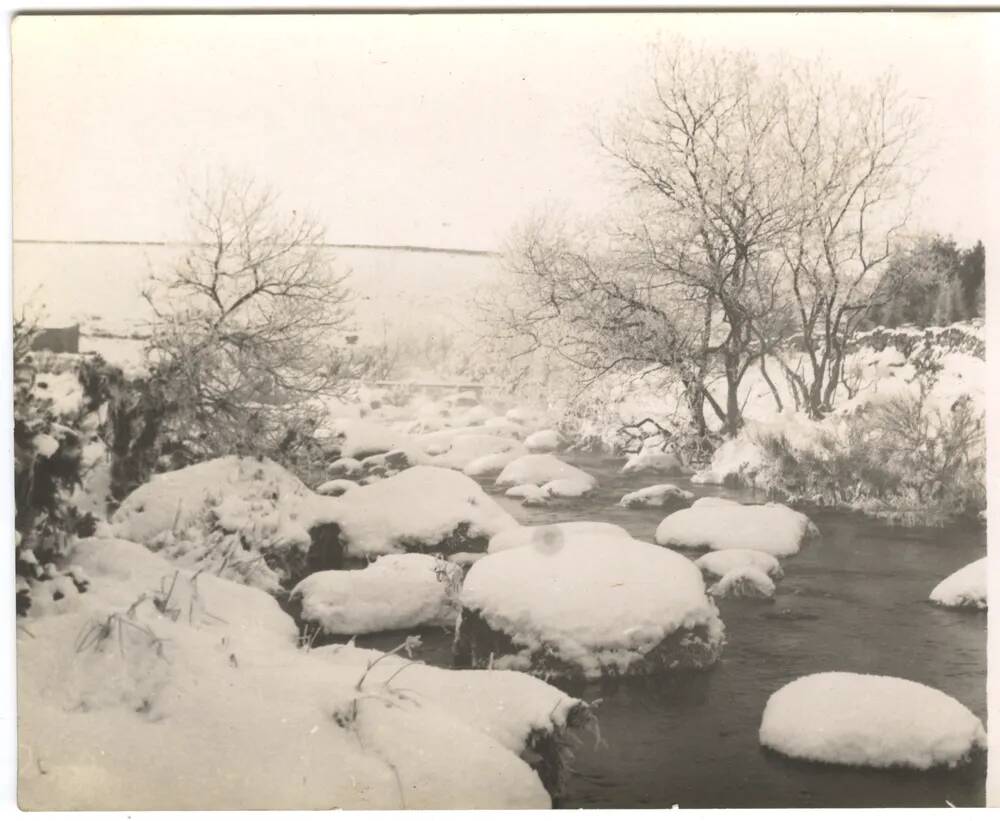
point(855, 601)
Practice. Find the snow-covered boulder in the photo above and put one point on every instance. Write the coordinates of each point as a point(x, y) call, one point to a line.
point(530, 495)
point(492, 463)
point(336, 487)
point(871, 721)
point(653, 460)
point(720, 562)
point(570, 488)
point(247, 519)
point(745, 582)
point(656, 496)
point(724, 525)
point(458, 450)
point(543, 441)
point(526, 715)
point(392, 593)
point(359, 438)
point(553, 536)
point(345, 468)
point(420, 510)
point(540, 469)
point(964, 588)
point(587, 605)
point(157, 669)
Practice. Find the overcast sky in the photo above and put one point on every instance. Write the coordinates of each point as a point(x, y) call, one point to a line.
point(435, 129)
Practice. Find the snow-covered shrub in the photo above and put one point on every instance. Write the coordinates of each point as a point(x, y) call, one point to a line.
point(906, 460)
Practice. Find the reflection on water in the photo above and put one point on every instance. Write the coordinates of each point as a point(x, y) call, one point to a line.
point(854, 601)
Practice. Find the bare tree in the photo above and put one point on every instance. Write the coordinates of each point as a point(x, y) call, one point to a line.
point(699, 156)
point(849, 181)
point(246, 326)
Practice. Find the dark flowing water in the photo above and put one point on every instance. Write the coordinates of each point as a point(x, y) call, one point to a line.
point(855, 601)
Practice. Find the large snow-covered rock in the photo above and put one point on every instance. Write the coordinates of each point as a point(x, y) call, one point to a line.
point(455, 451)
point(867, 720)
point(540, 469)
point(720, 562)
point(156, 669)
point(653, 460)
point(745, 582)
point(725, 525)
point(554, 535)
point(587, 604)
point(656, 496)
point(392, 593)
point(248, 519)
point(964, 588)
point(543, 441)
point(358, 438)
point(423, 510)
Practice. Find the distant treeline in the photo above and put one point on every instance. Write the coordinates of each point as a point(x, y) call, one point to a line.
point(944, 283)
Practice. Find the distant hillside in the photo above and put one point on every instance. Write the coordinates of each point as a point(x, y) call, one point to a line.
point(401, 289)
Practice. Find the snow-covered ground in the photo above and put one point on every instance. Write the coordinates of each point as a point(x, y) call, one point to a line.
point(157, 670)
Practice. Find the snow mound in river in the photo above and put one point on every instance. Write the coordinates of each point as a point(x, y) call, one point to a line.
point(653, 460)
point(872, 721)
point(543, 441)
point(422, 509)
point(155, 669)
point(721, 562)
point(770, 528)
point(247, 518)
point(745, 582)
point(392, 593)
point(587, 604)
point(542, 468)
point(964, 588)
point(656, 496)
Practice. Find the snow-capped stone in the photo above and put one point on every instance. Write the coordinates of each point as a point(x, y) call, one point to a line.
point(964, 588)
point(249, 518)
point(423, 509)
point(868, 720)
point(653, 460)
point(540, 469)
point(543, 441)
point(724, 525)
point(554, 535)
point(45, 444)
point(656, 496)
point(587, 604)
point(569, 488)
point(336, 487)
point(392, 593)
point(345, 468)
point(745, 582)
point(359, 438)
point(720, 562)
point(458, 450)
